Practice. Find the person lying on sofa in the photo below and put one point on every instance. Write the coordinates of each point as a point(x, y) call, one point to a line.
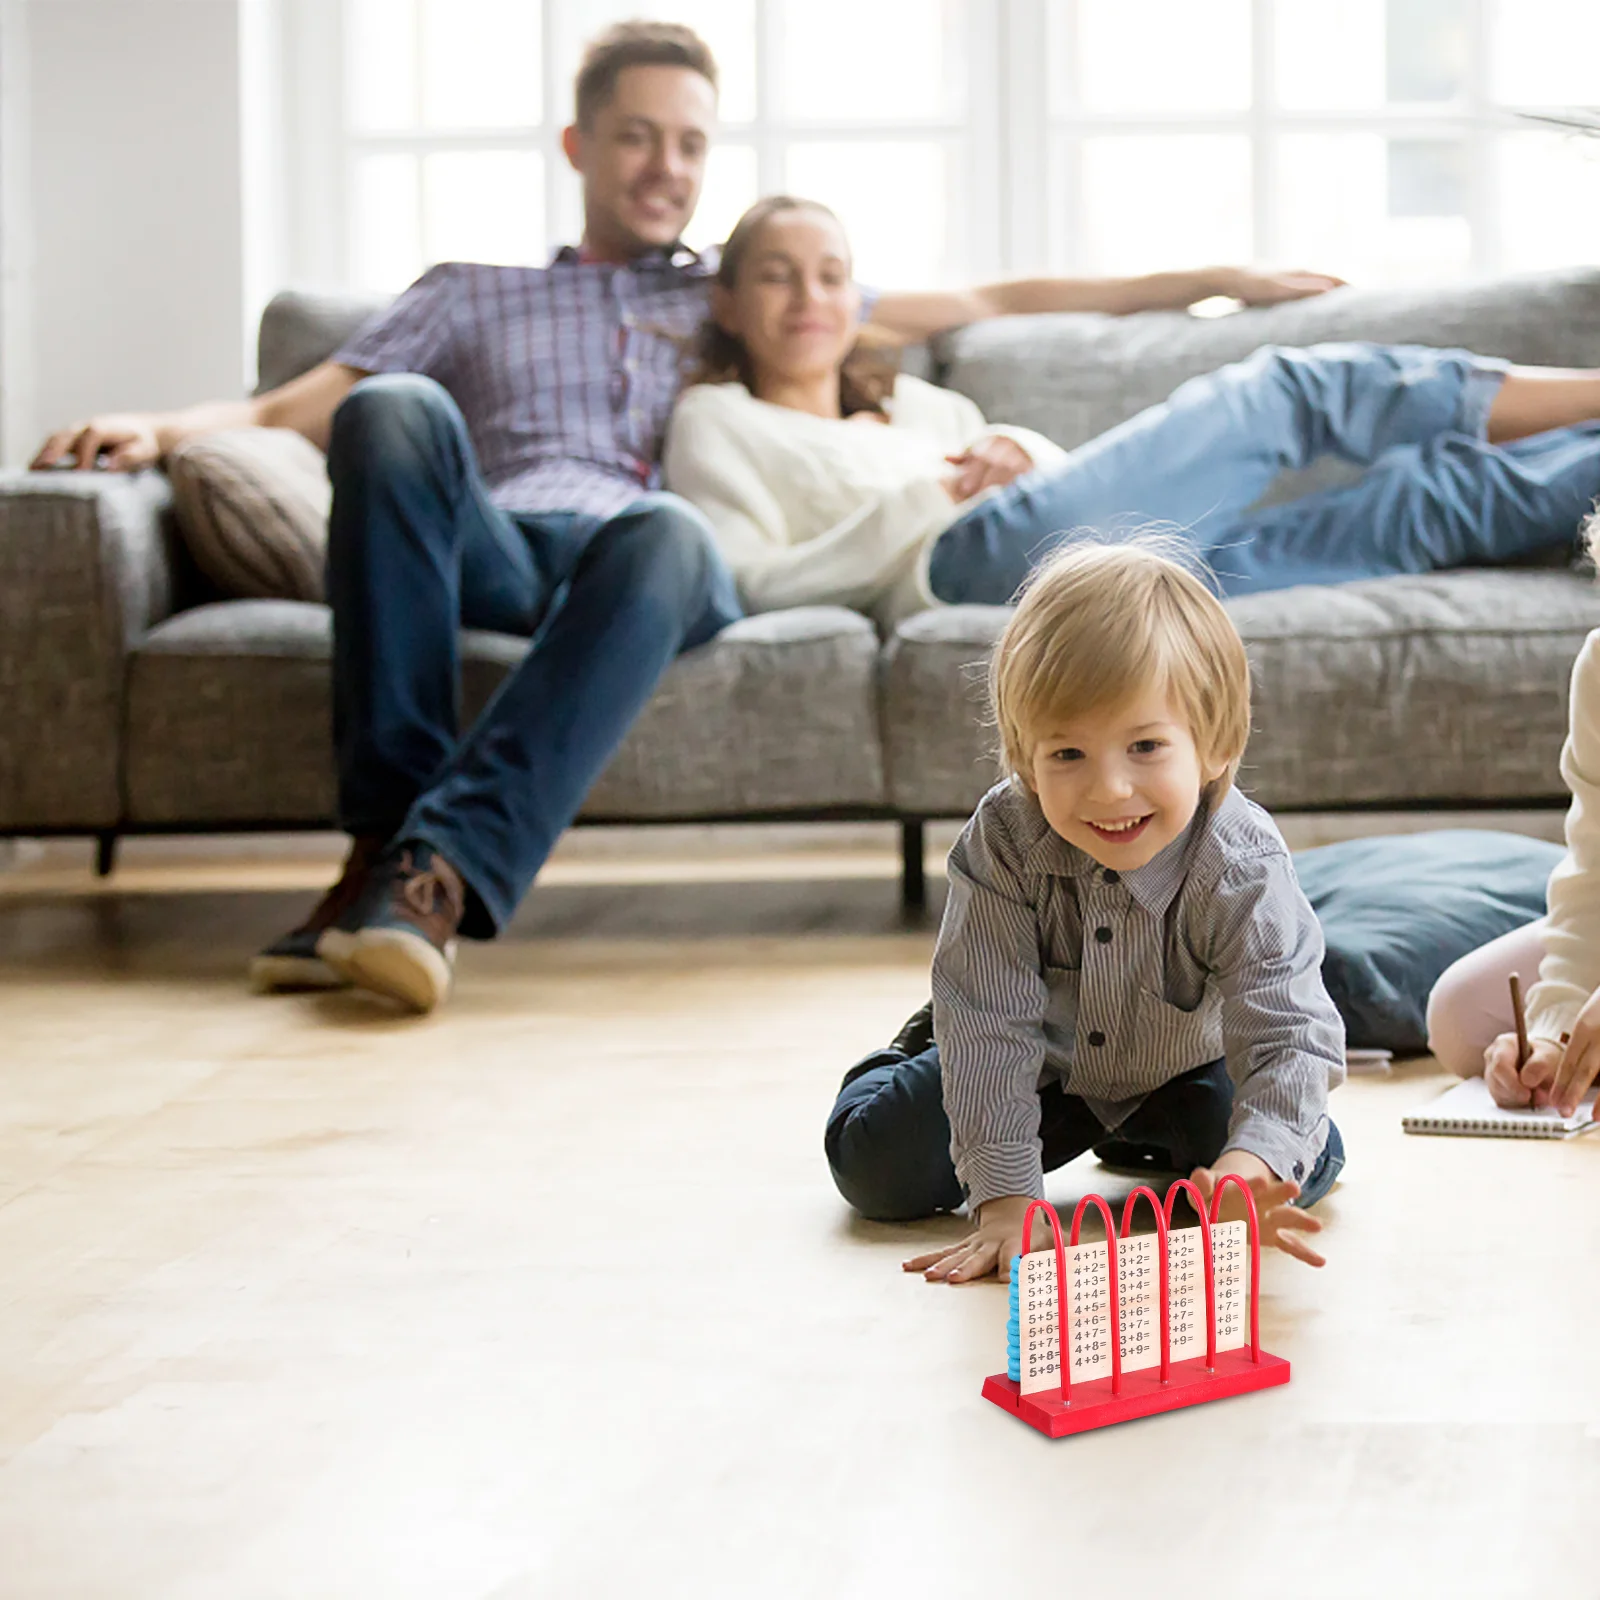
point(829, 480)
point(493, 442)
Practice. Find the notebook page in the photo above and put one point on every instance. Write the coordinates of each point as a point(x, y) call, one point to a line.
point(1139, 1308)
point(1468, 1107)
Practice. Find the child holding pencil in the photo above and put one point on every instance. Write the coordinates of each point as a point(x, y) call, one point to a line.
point(1126, 961)
point(1470, 1015)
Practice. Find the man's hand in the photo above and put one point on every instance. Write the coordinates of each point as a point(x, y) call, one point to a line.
point(127, 441)
point(1281, 1222)
point(1533, 1086)
point(994, 1240)
point(1272, 288)
point(990, 462)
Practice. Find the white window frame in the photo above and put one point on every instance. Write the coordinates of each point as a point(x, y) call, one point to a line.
point(322, 149)
point(1475, 119)
point(1001, 181)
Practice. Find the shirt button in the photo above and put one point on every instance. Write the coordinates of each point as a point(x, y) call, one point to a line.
point(1299, 1170)
point(1103, 935)
point(1111, 877)
point(1097, 1038)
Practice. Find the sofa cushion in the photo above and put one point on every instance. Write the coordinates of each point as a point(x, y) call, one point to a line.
point(1397, 910)
point(229, 715)
point(1435, 690)
point(252, 504)
point(302, 327)
point(1072, 377)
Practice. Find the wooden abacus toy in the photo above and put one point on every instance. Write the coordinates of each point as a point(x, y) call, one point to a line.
point(1127, 1295)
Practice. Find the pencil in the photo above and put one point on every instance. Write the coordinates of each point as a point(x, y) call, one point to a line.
point(1520, 1018)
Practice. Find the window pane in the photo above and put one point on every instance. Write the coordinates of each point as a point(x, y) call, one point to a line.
point(385, 230)
point(1545, 52)
point(730, 187)
point(1549, 200)
point(480, 63)
point(380, 64)
point(1427, 47)
point(890, 61)
point(1158, 55)
point(892, 201)
point(1322, 68)
point(483, 205)
point(1154, 201)
point(727, 26)
point(1372, 209)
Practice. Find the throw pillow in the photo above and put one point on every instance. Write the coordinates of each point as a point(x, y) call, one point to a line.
point(252, 504)
point(1396, 911)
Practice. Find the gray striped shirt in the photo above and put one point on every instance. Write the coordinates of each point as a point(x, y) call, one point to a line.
point(1051, 966)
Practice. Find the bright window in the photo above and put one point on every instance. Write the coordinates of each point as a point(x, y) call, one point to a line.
point(961, 139)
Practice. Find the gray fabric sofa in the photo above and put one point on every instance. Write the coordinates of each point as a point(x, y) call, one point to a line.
point(134, 701)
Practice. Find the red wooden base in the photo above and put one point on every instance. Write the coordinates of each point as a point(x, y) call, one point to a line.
point(1143, 1393)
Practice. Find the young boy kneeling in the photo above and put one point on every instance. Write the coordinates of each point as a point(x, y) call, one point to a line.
point(1126, 961)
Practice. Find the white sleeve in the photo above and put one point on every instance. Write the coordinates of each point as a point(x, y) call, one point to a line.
point(1570, 971)
point(707, 461)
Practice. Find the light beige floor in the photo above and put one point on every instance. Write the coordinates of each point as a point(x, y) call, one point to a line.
point(550, 1295)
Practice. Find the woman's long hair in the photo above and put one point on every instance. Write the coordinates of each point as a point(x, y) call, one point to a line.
point(867, 373)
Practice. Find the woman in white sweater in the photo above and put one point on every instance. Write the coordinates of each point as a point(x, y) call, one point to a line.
point(828, 480)
point(1469, 1011)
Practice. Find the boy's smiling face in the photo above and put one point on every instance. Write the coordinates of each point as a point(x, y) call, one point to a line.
point(1121, 784)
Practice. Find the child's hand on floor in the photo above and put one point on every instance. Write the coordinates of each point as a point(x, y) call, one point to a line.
point(995, 1238)
point(1533, 1086)
point(1281, 1221)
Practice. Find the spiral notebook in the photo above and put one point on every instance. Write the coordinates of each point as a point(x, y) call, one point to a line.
point(1469, 1108)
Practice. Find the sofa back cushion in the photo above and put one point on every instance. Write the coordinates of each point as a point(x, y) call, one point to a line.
point(1072, 377)
point(301, 327)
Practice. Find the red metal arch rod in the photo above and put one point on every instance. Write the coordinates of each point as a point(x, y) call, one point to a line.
point(1061, 1287)
point(1111, 1259)
point(1128, 1206)
point(1198, 1201)
point(1255, 1252)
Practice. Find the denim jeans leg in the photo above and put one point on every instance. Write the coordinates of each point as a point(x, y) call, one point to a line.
point(1196, 462)
point(888, 1138)
point(647, 584)
point(414, 548)
point(1456, 501)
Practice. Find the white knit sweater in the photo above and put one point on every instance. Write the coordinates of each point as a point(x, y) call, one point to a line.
point(1570, 971)
point(813, 511)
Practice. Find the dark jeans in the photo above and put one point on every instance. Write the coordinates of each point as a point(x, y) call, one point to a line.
point(416, 551)
point(888, 1139)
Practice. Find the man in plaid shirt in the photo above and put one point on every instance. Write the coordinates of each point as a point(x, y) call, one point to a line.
point(494, 439)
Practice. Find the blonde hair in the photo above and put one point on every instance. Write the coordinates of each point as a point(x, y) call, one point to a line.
point(1101, 623)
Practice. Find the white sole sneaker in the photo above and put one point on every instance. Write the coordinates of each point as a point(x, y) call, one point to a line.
point(389, 961)
point(276, 972)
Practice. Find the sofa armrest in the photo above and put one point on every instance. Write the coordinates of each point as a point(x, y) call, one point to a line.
point(85, 571)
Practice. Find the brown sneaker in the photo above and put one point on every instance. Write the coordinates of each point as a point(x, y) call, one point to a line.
point(292, 962)
point(400, 941)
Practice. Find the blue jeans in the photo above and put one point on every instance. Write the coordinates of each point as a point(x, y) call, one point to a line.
point(1435, 493)
point(416, 551)
point(888, 1138)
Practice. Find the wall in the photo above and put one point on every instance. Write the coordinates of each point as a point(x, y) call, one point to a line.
point(127, 134)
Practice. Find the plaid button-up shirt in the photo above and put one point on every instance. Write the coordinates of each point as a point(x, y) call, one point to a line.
point(565, 374)
point(1049, 966)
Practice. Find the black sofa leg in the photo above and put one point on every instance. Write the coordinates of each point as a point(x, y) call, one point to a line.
point(913, 879)
point(105, 852)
